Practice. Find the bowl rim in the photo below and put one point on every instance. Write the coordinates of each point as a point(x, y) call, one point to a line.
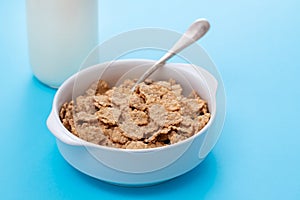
point(81, 142)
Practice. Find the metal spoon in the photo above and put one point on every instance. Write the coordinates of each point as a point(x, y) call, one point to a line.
point(194, 33)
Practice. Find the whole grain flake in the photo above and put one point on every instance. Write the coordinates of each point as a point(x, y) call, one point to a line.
point(156, 114)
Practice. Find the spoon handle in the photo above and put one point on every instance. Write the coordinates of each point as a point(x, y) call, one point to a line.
point(193, 33)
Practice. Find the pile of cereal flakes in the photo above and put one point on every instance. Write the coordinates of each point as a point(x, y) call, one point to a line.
point(156, 114)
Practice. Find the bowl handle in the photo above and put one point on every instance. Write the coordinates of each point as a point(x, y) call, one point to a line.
point(212, 136)
point(57, 130)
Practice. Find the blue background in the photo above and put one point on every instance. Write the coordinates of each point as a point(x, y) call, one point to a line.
point(255, 45)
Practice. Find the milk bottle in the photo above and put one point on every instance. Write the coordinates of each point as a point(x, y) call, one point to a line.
point(61, 33)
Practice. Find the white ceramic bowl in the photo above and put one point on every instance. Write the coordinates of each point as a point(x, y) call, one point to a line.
point(129, 166)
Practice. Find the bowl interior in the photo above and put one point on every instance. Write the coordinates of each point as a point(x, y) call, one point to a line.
point(188, 76)
point(116, 72)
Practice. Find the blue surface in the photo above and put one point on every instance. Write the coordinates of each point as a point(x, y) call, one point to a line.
point(255, 45)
